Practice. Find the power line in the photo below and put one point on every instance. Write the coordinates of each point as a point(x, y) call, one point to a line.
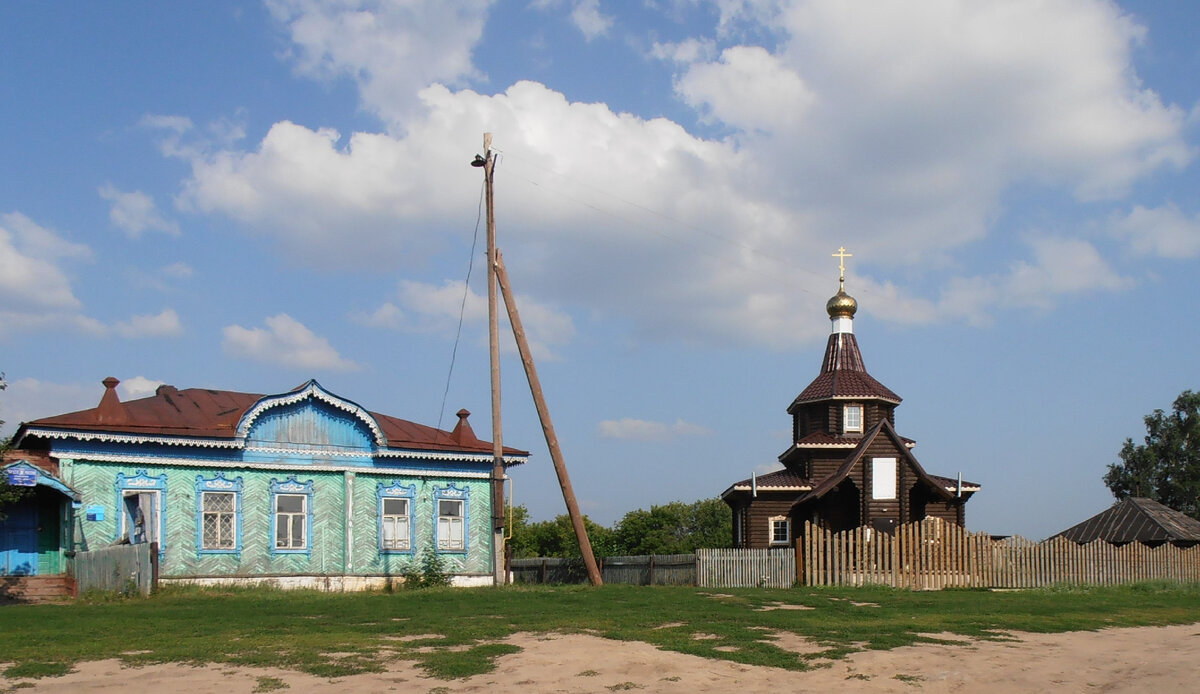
point(462, 309)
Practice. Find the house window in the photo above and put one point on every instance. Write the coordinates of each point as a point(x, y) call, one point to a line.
point(291, 516)
point(452, 509)
point(450, 524)
point(781, 531)
point(852, 419)
point(396, 516)
point(218, 515)
point(883, 478)
point(218, 520)
point(394, 535)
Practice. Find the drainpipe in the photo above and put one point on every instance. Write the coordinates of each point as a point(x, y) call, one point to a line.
point(348, 505)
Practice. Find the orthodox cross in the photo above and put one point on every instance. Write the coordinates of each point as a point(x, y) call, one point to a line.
point(841, 255)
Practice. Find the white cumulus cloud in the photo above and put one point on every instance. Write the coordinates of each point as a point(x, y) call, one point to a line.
point(630, 429)
point(163, 324)
point(138, 387)
point(134, 212)
point(895, 132)
point(284, 341)
point(390, 49)
point(1165, 231)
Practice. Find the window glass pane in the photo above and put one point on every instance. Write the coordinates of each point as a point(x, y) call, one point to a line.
point(281, 532)
point(210, 530)
point(449, 508)
point(395, 507)
point(297, 531)
point(218, 501)
point(289, 503)
point(226, 531)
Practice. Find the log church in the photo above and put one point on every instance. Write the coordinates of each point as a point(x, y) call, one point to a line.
point(847, 467)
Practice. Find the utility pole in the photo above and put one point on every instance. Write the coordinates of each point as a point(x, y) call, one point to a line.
point(499, 577)
point(498, 277)
point(539, 400)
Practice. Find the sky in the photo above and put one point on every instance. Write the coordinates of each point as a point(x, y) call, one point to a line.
point(242, 196)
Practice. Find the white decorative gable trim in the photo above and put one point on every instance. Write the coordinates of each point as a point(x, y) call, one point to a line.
point(311, 390)
point(79, 435)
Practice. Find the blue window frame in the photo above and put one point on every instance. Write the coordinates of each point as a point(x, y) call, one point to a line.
point(218, 515)
point(291, 516)
point(396, 507)
point(451, 518)
point(142, 509)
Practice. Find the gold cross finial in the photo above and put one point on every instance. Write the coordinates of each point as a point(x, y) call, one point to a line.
point(841, 255)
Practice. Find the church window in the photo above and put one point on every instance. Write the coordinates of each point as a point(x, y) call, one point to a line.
point(883, 478)
point(781, 531)
point(852, 419)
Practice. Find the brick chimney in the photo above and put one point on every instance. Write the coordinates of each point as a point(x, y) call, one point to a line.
point(463, 434)
point(110, 410)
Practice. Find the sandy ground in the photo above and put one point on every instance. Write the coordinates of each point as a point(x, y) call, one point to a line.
point(1147, 659)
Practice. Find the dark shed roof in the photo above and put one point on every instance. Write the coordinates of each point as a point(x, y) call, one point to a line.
point(1137, 519)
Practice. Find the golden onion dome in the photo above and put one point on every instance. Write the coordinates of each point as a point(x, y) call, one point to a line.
point(841, 305)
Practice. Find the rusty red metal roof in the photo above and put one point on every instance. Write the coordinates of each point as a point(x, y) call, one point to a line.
point(215, 414)
point(843, 375)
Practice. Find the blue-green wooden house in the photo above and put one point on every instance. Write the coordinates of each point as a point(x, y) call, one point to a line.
point(301, 488)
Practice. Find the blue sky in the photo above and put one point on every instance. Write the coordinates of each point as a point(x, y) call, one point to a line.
point(243, 196)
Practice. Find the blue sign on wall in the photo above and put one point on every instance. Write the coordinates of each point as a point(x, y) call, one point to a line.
point(22, 477)
point(95, 512)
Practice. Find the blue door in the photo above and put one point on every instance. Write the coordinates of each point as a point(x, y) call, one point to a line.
point(18, 541)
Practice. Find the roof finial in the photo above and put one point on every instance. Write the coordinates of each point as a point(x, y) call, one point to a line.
point(841, 255)
point(842, 306)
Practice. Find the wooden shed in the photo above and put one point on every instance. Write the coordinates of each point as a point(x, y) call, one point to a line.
point(1137, 519)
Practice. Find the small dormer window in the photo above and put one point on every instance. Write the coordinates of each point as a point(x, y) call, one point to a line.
point(852, 419)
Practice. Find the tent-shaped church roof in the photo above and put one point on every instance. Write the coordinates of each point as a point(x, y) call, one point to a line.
point(1137, 519)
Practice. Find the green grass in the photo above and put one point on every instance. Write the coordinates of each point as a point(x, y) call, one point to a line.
point(461, 630)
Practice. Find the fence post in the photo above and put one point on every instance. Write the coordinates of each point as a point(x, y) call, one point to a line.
point(153, 566)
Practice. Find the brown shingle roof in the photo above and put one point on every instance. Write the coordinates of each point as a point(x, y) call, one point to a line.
point(843, 375)
point(1136, 519)
point(779, 481)
point(204, 413)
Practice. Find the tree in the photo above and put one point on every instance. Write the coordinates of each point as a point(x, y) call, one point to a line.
point(555, 538)
point(675, 528)
point(8, 493)
point(1167, 467)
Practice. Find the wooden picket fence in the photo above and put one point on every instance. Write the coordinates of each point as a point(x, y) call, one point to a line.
point(642, 570)
point(933, 554)
point(125, 569)
point(745, 568)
